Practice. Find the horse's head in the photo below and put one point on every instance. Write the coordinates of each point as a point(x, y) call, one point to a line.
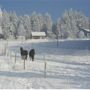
point(21, 49)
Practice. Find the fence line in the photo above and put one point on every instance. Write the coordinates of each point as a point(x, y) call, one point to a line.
point(46, 59)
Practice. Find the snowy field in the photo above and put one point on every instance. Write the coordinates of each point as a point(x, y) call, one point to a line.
point(68, 65)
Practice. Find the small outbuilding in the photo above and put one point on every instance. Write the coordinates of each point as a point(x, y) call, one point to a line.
point(85, 31)
point(38, 35)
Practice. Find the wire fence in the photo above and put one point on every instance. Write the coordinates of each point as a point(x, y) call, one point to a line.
point(50, 58)
point(51, 62)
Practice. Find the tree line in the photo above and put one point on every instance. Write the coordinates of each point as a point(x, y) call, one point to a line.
point(66, 26)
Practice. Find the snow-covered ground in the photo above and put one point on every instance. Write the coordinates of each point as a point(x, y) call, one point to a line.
point(68, 65)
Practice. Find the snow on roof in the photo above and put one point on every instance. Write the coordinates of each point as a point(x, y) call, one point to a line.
point(87, 30)
point(38, 33)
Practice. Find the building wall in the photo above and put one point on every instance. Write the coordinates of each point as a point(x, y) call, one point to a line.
point(38, 37)
point(88, 35)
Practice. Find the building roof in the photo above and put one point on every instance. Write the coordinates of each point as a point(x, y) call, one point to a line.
point(87, 30)
point(38, 33)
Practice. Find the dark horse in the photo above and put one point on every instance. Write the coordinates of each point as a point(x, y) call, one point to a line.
point(24, 53)
point(32, 54)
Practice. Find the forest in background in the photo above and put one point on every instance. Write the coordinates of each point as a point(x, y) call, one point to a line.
point(66, 26)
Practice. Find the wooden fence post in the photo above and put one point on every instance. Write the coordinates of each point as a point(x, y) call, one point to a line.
point(10, 54)
point(45, 67)
point(6, 48)
point(57, 41)
point(24, 64)
point(15, 57)
point(87, 54)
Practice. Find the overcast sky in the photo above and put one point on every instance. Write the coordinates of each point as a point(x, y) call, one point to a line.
point(54, 7)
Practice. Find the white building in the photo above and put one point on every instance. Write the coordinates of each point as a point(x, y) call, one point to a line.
point(38, 35)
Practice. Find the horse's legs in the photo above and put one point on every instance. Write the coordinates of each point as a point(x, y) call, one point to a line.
point(32, 58)
point(24, 63)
